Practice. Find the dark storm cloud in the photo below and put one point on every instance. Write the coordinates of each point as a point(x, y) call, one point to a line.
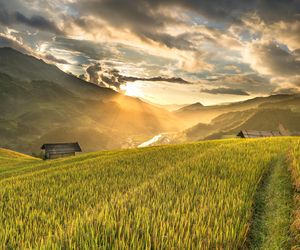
point(148, 18)
point(142, 18)
point(180, 42)
point(112, 77)
point(225, 91)
point(272, 59)
point(123, 13)
point(55, 59)
point(144, 13)
point(275, 10)
point(234, 10)
point(96, 51)
point(37, 22)
point(91, 49)
point(5, 18)
point(156, 79)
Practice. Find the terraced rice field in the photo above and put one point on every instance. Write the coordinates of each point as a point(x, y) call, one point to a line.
point(193, 196)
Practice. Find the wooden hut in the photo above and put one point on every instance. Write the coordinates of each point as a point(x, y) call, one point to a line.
point(58, 150)
point(258, 134)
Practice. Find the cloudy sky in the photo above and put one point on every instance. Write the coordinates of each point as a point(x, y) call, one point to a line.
point(164, 51)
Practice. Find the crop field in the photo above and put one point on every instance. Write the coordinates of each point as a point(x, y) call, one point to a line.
point(191, 196)
point(295, 171)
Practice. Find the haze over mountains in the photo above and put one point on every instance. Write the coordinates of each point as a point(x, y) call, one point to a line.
point(40, 103)
point(276, 112)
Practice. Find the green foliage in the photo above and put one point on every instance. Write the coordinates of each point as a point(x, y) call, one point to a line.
point(198, 196)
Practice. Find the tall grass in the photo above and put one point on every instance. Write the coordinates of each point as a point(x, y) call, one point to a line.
point(196, 195)
point(295, 170)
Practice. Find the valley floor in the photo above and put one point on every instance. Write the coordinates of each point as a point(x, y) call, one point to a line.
point(226, 194)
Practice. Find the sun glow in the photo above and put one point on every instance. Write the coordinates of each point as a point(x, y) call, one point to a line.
point(132, 89)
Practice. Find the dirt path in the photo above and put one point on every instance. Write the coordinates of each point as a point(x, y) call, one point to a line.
point(273, 208)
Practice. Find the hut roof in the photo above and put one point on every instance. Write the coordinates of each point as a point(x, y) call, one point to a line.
point(62, 147)
point(256, 134)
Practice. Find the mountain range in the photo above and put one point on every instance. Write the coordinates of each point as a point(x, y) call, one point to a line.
point(275, 112)
point(40, 104)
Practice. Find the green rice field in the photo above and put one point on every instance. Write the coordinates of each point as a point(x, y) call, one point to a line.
point(202, 195)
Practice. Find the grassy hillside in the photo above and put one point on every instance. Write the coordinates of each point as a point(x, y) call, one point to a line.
point(198, 195)
point(41, 104)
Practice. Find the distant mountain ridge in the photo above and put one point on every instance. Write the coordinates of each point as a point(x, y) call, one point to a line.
point(268, 113)
point(191, 107)
point(205, 114)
